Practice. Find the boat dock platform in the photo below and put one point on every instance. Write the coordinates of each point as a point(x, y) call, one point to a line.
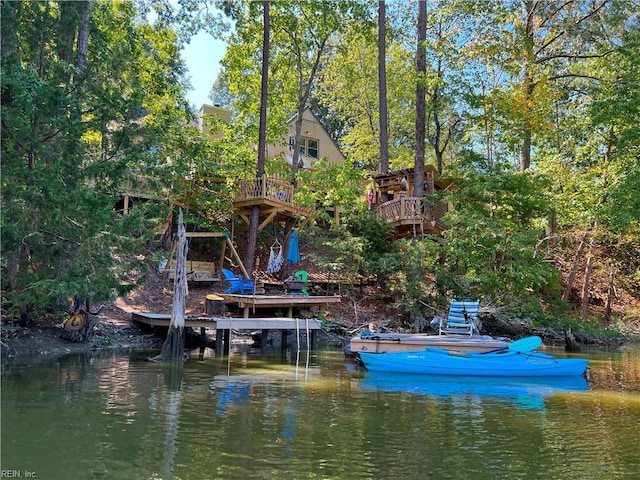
point(403, 342)
point(224, 325)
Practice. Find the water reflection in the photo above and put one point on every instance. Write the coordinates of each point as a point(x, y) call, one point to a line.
point(230, 392)
point(314, 416)
point(173, 375)
point(617, 370)
point(523, 392)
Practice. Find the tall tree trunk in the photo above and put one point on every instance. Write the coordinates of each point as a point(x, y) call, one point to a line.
point(305, 84)
point(83, 38)
point(421, 67)
point(8, 39)
point(173, 346)
point(488, 130)
point(262, 133)
point(610, 294)
point(67, 28)
point(525, 154)
point(574, 268)
point(252, 239)
point(295, 158)
point(382, 88)
point(254, 221)
point(584, 307)
point(439, 161)
point(304, 91)
point(529, 85)
point(553, 226)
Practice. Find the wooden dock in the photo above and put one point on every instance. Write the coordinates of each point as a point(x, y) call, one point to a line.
point(224, 325)
point(229, 323)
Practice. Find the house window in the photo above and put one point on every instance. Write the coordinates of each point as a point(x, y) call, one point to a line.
point(308, 146)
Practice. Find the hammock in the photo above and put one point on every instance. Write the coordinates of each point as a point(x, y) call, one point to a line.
point(275, 258)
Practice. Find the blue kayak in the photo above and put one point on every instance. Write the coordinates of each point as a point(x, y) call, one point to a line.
point(455, 386)
point(501, 363)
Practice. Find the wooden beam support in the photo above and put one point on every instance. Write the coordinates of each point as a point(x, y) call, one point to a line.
point(222, 252)
point(267, 220)
point(205, 234)
point(238, 259)
point(167, 266)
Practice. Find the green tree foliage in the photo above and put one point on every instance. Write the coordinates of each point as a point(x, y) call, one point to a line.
point(92, 106)
point(357, 248)
point(89, 97)
point(489, 250)
point(615, 116)
point(380, 256)
point(242, 74)
point(495, 225)
point(502, 81)
point(592, 156)
point(348, 87)
point(304, 34)
point(542, 50)
point(333, 185)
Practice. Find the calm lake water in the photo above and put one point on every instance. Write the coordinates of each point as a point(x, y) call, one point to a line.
point(316, 415)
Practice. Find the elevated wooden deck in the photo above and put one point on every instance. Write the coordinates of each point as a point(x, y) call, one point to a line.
point(250, 302)
point(409, 213)
point(273, 195)
point(393, 199)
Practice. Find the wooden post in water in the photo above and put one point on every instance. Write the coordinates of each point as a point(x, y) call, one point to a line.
point(219, 342)
point(173, 346)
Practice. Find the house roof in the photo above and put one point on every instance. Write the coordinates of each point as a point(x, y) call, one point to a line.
point(225, 115)
point(315, 118)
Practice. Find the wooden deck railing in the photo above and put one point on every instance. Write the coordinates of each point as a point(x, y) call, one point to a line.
point(272, 188)
point(415, 209)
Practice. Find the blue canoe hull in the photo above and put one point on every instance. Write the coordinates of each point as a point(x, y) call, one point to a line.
point(444, 386)
point(506, 363)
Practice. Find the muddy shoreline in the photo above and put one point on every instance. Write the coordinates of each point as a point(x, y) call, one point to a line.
point(116, 330)
point(126, 335)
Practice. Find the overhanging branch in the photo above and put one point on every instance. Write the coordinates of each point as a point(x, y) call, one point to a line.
point(574, 56)
point(574, 75)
